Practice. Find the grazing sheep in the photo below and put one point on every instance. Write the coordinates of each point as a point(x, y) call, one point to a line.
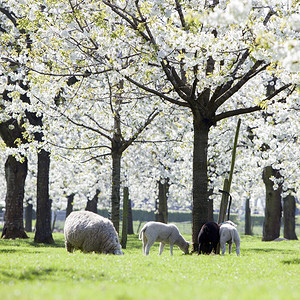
point(88, 232)
point(208, 238)
point(163, 233)
point(229, 234)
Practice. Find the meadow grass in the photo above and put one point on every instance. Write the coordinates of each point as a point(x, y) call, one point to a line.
point(265, 270)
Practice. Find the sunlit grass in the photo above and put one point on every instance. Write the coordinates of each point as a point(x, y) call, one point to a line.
point(36, 271)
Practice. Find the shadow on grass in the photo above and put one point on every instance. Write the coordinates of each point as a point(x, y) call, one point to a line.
point(57, 244)
point(28, 243)
point(49, 274)
point(266, 250)
point(133, 242)
point(293, 261)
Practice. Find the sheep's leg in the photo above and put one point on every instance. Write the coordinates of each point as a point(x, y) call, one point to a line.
point(148, 246)
point(199, 249)
point(237, 244)
point(223, 247)
point(144, 244)
point(171, 249)
point(161, 248)
point(230, 248)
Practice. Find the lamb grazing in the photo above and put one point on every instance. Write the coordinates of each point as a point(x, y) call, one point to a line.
point(229, 234)
point(88, 232)
point(163, 233)
point(208, 238)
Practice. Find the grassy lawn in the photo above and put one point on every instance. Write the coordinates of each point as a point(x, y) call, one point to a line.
point(265, 270)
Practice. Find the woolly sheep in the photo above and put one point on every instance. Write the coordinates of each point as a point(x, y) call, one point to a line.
point(88, 232)
point(229, 234)
point(163, 233)
point(208, 238)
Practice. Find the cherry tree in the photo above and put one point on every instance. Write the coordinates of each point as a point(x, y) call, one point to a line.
point(209, 57)
point(203, 56)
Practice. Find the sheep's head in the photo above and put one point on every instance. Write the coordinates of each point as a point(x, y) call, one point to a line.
point(186, 248)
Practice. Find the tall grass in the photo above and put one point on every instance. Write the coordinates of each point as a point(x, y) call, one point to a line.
point(32, 271)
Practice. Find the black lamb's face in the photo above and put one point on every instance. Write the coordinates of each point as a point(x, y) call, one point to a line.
point(205, 248)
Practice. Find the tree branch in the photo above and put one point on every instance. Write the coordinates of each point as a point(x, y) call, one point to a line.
point(181, 16)
point(154, 92)
point(250, 74)
point(132, 24)
point(150, 118)
point(235, 112)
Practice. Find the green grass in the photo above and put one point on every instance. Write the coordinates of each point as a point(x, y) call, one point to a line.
point(265, 270)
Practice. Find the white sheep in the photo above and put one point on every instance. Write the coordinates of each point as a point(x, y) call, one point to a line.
point(88, 232)
point(165, 234)
point(229, 234)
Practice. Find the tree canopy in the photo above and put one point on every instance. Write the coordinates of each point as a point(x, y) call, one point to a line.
point(196, 64)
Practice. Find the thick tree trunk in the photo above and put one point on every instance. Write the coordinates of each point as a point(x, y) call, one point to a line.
point(130, 219)
point(92, 204)
point(43, 233)
point(289, 211)
point(115, 190)
point(200, 178)
point(273, 209)
point(15, 175)
point(248, 230)
point(70, 204)
point(28, 217)
point(162, 209)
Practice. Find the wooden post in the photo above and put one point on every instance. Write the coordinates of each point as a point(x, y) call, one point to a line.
point(28, 216)
point(234, 152)
point(125, 217)
point(227, 182)
point(224, 201)
point(130, 220)
point(248, 230)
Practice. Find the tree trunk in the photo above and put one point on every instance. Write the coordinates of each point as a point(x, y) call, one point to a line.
point(28, 217)
point(248, 230)
point(70, 204)
point(115, 194)
point(273, 209)
point(15, 175)
point(92, 204)
point(200, 178)
point(43, 232)
point(162, 209)
point(125, 217)
point(289, 211)
point(130, 219)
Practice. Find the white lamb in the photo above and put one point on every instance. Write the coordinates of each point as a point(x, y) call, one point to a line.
point(229, 234)
point(88, 232)
point(163, 233)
